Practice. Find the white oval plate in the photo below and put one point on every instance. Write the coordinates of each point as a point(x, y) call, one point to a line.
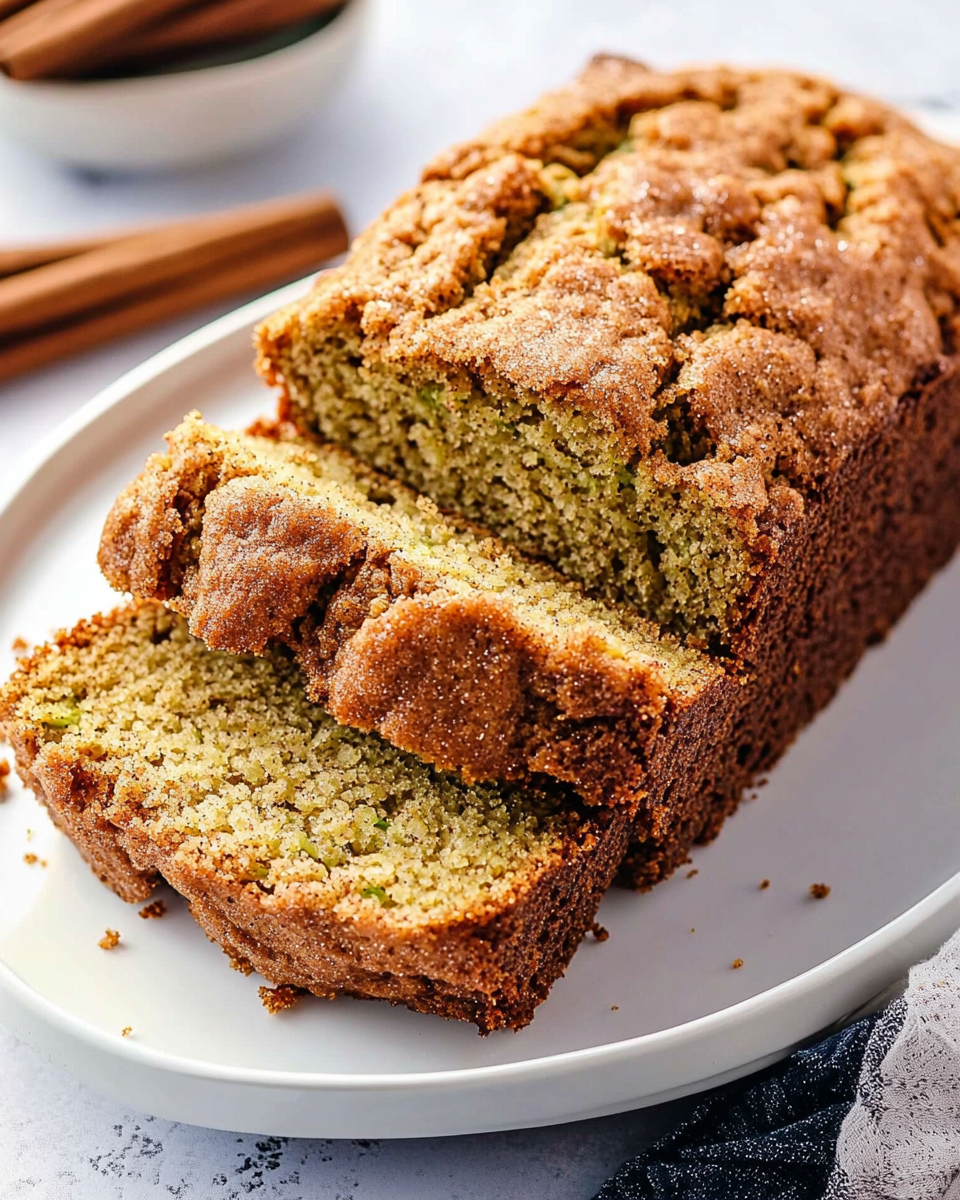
point(865, 801)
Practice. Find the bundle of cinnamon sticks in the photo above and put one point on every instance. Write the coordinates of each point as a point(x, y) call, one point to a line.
point(68, 39)
point(62, 299)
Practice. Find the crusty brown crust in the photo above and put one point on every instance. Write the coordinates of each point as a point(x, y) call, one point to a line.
point(492, 967)
point(463, 681)
point(883, 524)
point(761, 269)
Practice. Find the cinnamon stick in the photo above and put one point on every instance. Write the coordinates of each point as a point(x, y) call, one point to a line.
point(47, 37)
point(217, 23)
point(9, 7)
point(17, 259)
point(110, 272)
point(25, 258)
point(274, 263)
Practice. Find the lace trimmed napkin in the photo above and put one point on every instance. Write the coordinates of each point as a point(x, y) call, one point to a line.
point(872, 1113)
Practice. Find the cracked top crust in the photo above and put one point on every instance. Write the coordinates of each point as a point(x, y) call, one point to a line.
point(716, 264)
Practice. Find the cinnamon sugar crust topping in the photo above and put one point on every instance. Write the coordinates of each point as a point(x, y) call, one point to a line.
point(679, 297)
point(420, 627)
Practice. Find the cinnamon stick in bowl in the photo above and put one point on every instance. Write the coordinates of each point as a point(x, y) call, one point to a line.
point(47, 37)
point(215, 23)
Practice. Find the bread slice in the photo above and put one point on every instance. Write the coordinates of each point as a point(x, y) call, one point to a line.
point(638, 328)
point(403, 621)
point(323, 857)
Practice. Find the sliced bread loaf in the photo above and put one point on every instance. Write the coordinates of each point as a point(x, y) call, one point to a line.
point(323, 857)
point(405, 622)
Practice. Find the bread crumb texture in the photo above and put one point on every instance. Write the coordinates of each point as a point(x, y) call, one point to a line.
point(223, 759)
point(636, 326)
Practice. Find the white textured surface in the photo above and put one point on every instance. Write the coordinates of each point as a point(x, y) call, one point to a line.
point(431, 72)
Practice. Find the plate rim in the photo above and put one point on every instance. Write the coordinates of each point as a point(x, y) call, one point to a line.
point(540, 1068)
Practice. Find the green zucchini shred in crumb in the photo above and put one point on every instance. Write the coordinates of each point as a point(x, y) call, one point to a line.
point(308, 847)
point(62, 715)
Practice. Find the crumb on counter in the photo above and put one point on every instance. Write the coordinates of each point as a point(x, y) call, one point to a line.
point(276, 999)
point(764, 884)
point(690, 874)
point(819, 891)
point(736, 964)
point(599, 932)
point(110, 940)
point(155, 909)
point(126, 1031)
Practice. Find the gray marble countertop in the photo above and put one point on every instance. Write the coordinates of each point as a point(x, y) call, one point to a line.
point(430, 72)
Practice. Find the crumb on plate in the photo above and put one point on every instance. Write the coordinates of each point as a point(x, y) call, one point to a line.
point(599, 932)
point(614, 1007)
point(736, 964)
point(110, 940)
point(156, 908)
point(276, 999)
point(690, 874)
point(19, 645)
point(126, 1031)
point(764, 884)
point(819, 891)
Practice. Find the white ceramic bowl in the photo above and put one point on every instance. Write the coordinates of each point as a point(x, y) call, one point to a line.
point(154, 122)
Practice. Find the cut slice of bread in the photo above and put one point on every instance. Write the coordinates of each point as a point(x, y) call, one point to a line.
point(323, 857)
point(405, 622)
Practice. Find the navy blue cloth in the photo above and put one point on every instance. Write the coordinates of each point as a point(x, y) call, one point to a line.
point(769, 1137)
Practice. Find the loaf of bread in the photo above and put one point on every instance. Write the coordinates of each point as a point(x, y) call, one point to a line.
point(323, 857)
point(691, 337)
point(403, 621)
point(636, 329)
